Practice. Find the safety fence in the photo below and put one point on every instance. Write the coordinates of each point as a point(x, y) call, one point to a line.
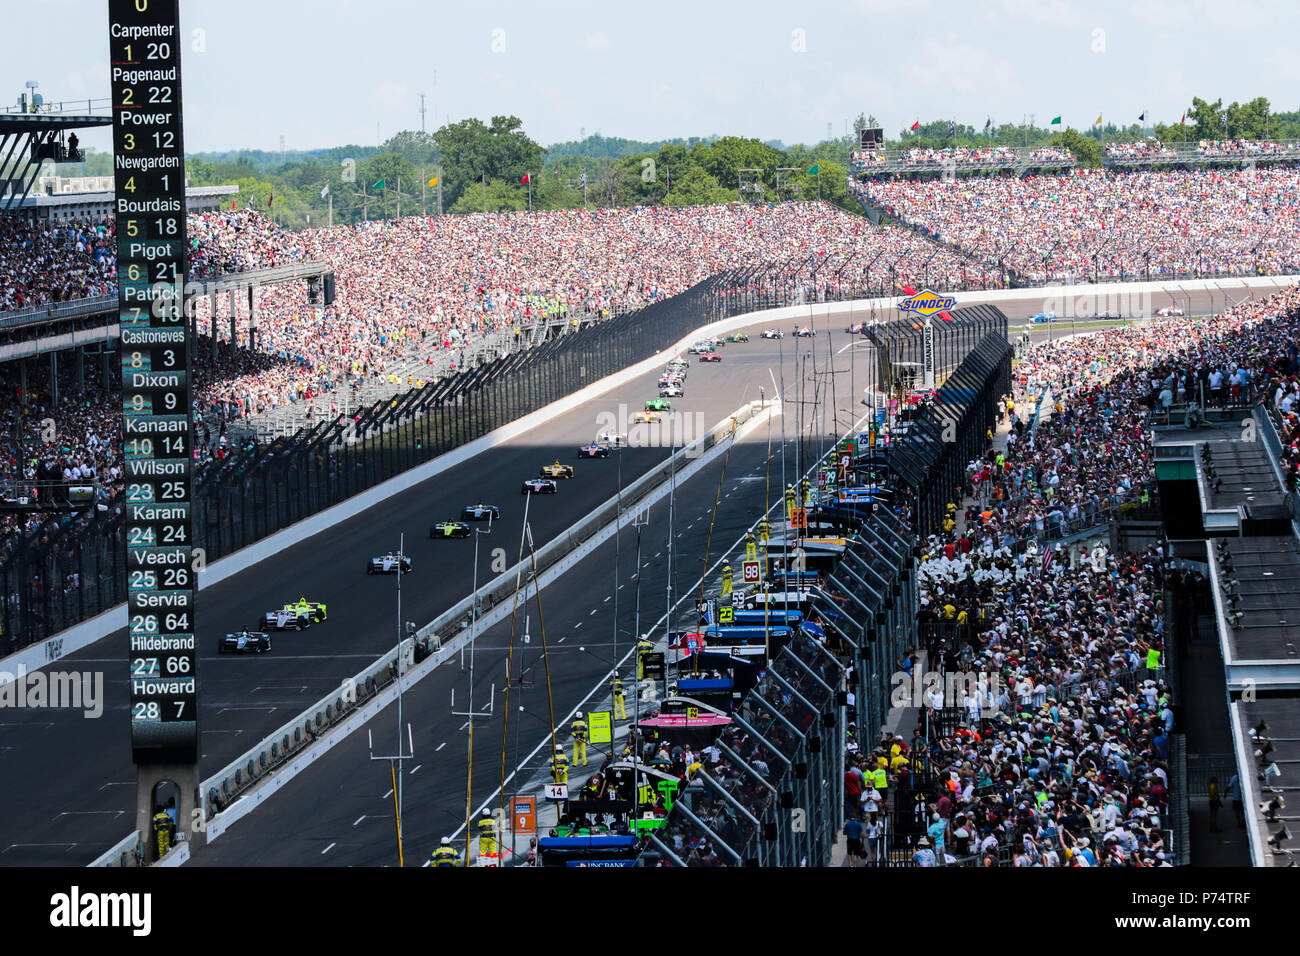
point(945, 434)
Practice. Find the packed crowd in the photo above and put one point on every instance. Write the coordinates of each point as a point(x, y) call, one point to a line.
point(1116, 224)
point(1141, 149)
point(866, 158)
point(962, 157)
point(45, 263)
point(1060, 756)
point(1240, 148)
point(418, 287)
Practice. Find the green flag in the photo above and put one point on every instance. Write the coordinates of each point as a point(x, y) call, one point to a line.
point(378, 186)
point(812, 170)
point(1056, 121)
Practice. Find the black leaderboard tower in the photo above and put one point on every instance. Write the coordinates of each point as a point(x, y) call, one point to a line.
point(149, 202)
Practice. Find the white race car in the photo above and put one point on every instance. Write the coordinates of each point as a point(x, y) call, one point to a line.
point(773, 334)
point(538, 486)
point(388, 564)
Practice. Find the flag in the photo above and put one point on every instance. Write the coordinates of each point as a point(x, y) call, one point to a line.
point(988, 122)
point(812, 170)
point(582, 180)
point(379, 185)
point(325, 192)
point(1183, 120)
point(1223, 119)
point(952, 128)
point(916, 126)
point(433, 181)
point(270, 201)
point(525, 180)
point(1097, 121)
point(1056, 121)
point(1142, 117)
point(232, 205)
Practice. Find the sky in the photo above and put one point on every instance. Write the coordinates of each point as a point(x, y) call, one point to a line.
point(336, 72)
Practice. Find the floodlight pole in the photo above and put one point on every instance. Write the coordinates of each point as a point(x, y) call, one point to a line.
point(395, 760)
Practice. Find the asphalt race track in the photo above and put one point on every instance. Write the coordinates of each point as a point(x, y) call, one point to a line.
point(69, 781)
point(80, 799)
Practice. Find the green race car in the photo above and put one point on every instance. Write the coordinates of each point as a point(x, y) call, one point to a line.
point(658, 405)
point(737, 337)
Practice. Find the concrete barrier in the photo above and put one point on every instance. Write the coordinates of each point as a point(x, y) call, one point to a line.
point(128, 851)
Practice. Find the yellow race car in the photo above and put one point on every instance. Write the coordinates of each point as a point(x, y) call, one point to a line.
point(314, 611)
point(557, 470)
point(647, 418)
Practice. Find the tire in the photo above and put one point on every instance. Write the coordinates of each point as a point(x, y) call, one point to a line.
point(370, 568)
point(221, 647)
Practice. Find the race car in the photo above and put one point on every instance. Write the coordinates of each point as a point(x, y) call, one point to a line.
point(856, 329)
point(557, 470)
point(647, 418)
point(699, 348)
point(480, 512)
point(389, 563)
point(1044, 317)
point(658, 405)
point(773, 334)
point(737, 337)
point(803, 332)
point(539, 486)
point(1169, 310)
point(245, 642)
point(314, 610)
point(593, 451)
point(449, 529)
point(710, 357)
point(612, 438)
point(285, 619)
point(673, 390)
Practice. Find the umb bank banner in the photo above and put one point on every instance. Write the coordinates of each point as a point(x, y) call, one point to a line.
point(149, 202)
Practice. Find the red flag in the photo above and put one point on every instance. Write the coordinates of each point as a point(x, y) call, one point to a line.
point(1183, 120)
point(272, 199)
point(232, 205)
point(524, 181)
point(916, 126)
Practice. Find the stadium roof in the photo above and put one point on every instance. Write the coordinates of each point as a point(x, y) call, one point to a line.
point(20, 123)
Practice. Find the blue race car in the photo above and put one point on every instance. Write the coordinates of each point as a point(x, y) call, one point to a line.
point(245, 642)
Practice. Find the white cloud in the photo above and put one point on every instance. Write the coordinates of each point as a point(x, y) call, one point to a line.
point(595, 43)
point(1056, 13)
point(948, 66)
point(1208, 15)
point(890, 8)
